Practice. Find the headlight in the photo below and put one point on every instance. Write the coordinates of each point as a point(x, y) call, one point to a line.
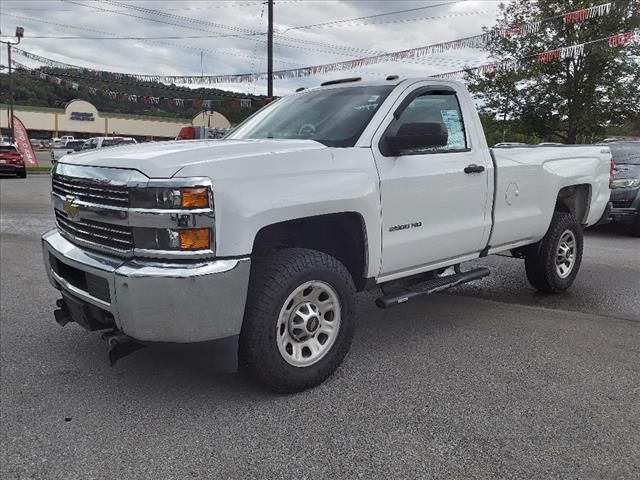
point(173, 216)
point(168, 198)
point(626, 183)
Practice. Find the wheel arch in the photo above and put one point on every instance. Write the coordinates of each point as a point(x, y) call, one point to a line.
point(342, 235)
point(574, 199)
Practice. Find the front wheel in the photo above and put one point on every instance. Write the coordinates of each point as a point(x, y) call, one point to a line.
point(553, 263)
point(299, 320)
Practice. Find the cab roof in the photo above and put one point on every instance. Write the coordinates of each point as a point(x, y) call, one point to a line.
point(393, 80)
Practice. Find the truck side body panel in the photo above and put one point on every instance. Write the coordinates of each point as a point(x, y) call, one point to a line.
point(529, 180)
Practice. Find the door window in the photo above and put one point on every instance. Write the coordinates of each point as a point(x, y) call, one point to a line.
point(440, 108)
point(89, 144)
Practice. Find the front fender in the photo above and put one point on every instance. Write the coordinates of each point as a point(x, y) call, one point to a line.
point(260, 191)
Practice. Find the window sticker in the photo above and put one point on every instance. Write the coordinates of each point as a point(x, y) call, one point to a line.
point(452, 121)
point(373, 98)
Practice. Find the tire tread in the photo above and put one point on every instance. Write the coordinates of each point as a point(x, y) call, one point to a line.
point(269, 280)
point(540, 260)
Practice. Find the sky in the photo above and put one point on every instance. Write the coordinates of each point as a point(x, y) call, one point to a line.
point(307, 32)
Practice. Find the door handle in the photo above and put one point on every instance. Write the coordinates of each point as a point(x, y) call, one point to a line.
point(473, 168)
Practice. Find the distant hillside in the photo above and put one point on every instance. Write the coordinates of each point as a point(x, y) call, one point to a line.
point(29, 89)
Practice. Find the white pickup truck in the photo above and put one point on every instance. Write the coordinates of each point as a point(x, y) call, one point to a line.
point(269, 233)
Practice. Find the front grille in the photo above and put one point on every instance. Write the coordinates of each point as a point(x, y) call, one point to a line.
point(94, 285)
point(91, 191)
point(622, 203)
point(117, 238)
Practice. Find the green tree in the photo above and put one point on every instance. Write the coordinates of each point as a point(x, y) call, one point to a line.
point(577, 99)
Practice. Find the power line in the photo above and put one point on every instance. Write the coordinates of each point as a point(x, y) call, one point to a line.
point(183, 37)
point(188, 47)
point(208, 7)
point(475, 41)
point(346, 48)
point(150, 11)
point(404, 20)
point(333, 48)
point(281, 35)
point(397, 12)
point(245, 34)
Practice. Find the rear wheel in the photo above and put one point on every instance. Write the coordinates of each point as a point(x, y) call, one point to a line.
point(299, 320)
point(553, 263)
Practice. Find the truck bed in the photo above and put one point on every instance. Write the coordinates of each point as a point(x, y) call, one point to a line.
point(526, 182)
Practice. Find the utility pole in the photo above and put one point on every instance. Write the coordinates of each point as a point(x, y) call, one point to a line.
point(270, 51)
point(19, 35)
point(11, 137)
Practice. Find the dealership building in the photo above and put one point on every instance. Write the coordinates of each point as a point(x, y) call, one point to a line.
point(82, 120)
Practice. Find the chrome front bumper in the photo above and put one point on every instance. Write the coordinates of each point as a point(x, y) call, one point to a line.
point(158, 301)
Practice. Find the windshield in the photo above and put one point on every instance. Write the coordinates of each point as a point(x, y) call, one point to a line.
point(334, 117)
point(625, 152)
point(7, 148)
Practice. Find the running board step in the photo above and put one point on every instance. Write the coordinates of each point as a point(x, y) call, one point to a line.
point(431, 286)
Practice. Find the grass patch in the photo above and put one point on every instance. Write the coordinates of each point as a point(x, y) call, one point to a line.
point(38, 169)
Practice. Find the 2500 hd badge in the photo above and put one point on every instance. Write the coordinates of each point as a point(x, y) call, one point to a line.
point(405, 226)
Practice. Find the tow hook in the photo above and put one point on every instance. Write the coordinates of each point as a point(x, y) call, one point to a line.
point(120, 345)
point(62, 315)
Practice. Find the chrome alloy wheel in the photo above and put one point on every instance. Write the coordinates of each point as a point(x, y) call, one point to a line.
point(566, 254)
point(308, 323)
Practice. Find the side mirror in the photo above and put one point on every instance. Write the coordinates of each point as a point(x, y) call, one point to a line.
point(414, 136)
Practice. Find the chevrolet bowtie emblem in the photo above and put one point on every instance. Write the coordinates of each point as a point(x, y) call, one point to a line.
point(70, 208)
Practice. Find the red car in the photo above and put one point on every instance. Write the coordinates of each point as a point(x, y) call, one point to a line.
point(11, 161)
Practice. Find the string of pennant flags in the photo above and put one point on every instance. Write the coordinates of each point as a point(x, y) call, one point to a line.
point(562, 53)
point(234, 102)
point(476, 41)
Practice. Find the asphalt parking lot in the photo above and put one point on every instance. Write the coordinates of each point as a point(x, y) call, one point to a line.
point(491, 380)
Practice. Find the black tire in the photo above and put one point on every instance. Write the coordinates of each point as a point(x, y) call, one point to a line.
point(540, 259)
point(272, 281)
point(23, 174)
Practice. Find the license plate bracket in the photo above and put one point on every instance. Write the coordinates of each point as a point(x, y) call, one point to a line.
point(87, 316)
point(77, 311)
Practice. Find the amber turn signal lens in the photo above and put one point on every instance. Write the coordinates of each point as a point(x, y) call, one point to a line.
point(194, 239)
point(195, 197)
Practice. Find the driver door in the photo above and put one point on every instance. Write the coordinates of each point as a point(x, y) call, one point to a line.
point(433, 208)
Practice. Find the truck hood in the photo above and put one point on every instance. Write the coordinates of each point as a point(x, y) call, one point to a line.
point(165, 159)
